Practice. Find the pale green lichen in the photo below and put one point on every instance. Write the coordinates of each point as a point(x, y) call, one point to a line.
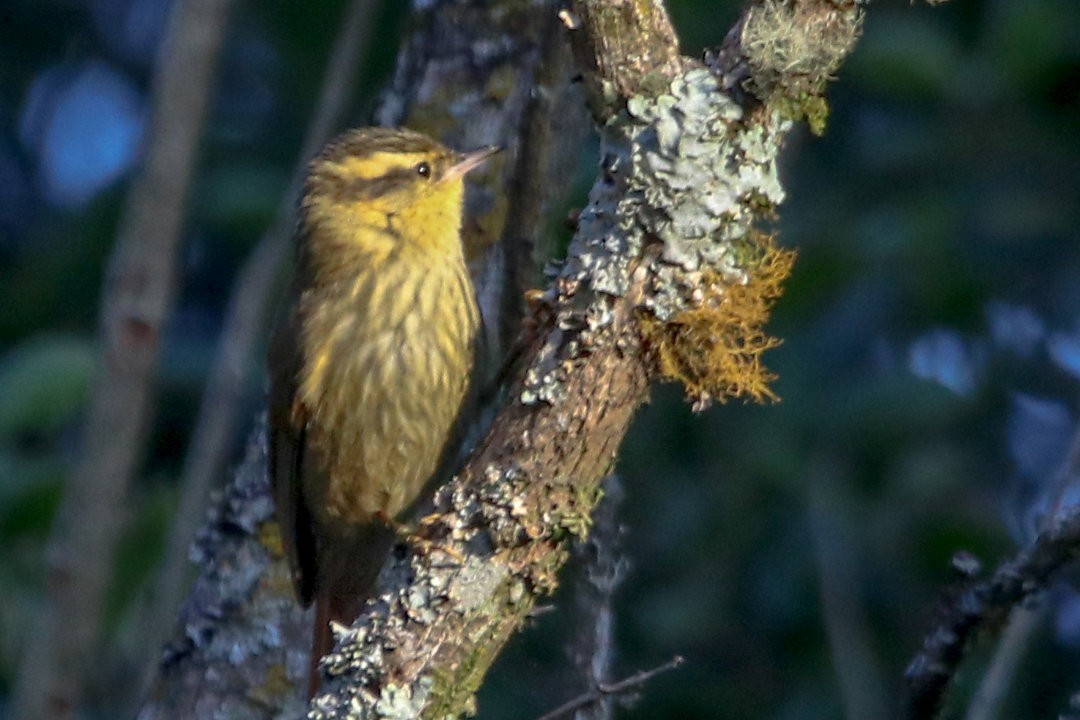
point(545, 380)
point(684, 169)
point(403, 702)
point(793, 48)
point(799, 40)
point(418, 603)
point(700, 165)
point(475, 583)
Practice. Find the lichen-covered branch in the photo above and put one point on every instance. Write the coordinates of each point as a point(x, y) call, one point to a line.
point(783, 52)
point(668, 239)
point(624, 48)
point(241, 636)
point(986, 605)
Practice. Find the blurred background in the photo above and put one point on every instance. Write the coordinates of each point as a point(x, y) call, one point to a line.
point(792, 553)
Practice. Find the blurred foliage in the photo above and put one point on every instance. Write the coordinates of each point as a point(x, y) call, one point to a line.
point(930, 340)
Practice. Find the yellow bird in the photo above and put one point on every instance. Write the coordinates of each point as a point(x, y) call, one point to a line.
point(372, 364)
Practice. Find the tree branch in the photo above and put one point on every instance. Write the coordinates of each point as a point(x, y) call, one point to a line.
point(991, 604)
point(668, 239)
point(136, 302)
point(602, 570)
point(625, 48)
point(984, 605)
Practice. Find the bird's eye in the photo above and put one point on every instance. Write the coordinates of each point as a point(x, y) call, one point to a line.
point(423, 169)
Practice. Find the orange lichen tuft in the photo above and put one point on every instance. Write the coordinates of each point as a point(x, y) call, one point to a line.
point(714, 348)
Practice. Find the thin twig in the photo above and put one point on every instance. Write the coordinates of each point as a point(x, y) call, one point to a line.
point(1022, 622)
point(245, 320)
point(987, 604)
point(602, 572)
point(617, 688)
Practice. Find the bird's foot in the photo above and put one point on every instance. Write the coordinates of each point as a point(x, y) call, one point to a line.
point(418, 536)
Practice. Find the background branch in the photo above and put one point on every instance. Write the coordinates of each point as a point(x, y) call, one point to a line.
point(245, 323)
point(839, 566)
point(994, 687)
point(603, 693)
point(986, 605)
point(601, 569)
point(137, 299)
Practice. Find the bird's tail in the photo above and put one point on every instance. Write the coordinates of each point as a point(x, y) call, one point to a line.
point(328, 608)
point(348, 571)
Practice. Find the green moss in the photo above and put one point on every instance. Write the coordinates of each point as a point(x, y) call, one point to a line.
point(453, 690)
point(809, 107)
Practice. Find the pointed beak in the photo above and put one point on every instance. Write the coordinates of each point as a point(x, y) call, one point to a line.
point(468, 161)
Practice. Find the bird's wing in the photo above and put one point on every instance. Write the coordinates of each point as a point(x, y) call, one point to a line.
point(288, 420)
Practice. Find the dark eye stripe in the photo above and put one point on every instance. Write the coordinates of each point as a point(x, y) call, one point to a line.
point(371, 188)
point(344, 189)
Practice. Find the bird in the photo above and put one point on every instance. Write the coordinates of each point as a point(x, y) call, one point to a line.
point(373, 363)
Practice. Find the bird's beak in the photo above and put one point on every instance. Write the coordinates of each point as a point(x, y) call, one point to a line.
point(469, 161)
